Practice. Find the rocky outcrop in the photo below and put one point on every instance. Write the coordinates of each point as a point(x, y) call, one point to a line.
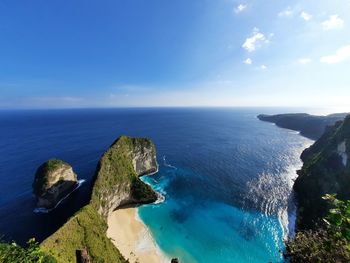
point(117, 177)
point(326, 170)
point(83, 256)
point(310, 126)
point(53, 180)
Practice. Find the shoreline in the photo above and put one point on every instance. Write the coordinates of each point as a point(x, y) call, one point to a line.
point(132, 237)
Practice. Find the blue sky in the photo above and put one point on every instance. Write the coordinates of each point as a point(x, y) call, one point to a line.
point(114, 53)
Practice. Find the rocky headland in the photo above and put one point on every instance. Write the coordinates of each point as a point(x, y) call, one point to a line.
point(116, 184)
point(53, 180)
point(310, 126)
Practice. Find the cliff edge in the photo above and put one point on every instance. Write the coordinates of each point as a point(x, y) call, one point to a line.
point(326, 170)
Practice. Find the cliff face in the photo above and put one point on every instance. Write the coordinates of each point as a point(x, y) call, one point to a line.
point(53, 180)
point(116, 183)
point(117, 177)
point(326, 170)
point(310, 126)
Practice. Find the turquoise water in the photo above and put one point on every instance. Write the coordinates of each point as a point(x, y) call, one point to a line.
point(231, 200)
point(214, 232)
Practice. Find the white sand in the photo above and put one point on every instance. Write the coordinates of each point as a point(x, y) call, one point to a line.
point(132, 238)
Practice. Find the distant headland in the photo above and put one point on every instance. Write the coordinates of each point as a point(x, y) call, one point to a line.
point(310, 126)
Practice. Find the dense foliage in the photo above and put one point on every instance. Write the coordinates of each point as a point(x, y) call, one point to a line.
point(32, 253)
point(329, 242)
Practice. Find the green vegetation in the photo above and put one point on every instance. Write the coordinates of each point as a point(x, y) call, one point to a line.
point(42, 175)
point(116, 173)
point(329, 242)
point(32, 253)
point(86, 229)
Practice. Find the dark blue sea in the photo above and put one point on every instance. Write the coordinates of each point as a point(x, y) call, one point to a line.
point(227, 177)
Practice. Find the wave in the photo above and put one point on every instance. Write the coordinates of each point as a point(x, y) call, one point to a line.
point(167, 164)
point(42, 210)
point(152, 182)
point(273, 195)
point(160, 198)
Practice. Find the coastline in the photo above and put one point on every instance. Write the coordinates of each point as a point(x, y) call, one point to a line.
point(132, 237)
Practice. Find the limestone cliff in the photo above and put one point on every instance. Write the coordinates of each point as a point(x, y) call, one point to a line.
point(53, 180)
point(326, 170)
point(116, 183)
point(117, 177)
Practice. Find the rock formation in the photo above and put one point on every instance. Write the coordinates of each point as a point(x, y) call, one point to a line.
point(117, 178)
point(53, 180)
point(116, 183)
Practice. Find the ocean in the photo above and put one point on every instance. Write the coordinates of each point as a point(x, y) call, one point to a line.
point(226, 176)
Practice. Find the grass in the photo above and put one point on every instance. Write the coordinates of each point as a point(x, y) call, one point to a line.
point(86, 229)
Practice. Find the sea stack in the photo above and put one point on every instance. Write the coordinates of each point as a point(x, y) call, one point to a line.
point(53, 180)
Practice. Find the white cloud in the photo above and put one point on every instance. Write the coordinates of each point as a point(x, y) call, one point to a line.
point(248, 61)
point(240, 8)
point(263, 67)
point(256, 40)
point(304, 60)
point(340, 55)
point(288, 12)
point(305, 16)
point(333, 22)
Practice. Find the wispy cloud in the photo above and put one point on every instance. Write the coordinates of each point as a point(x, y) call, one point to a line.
point(333, 22)
point(288, 12)
point(263, 67)
point(304, 60)
point(240, 8)
point(256, 40)
point(340, 55)
point(306, 16)
point(248, 61)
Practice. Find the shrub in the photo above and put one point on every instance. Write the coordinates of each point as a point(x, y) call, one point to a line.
point(32, 253)
point(326, 243)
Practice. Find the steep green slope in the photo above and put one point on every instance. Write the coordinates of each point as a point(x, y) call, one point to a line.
point(116, 183)
point(326, 170)
point(85, 230)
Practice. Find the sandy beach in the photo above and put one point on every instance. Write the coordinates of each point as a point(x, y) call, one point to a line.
point(132, 238)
